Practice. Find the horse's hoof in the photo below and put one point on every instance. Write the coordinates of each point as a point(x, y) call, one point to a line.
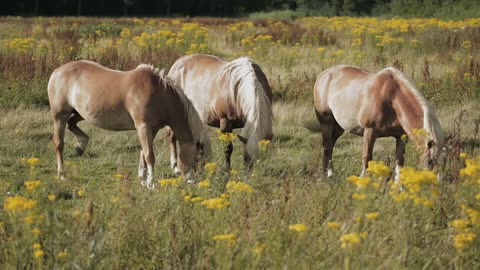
point(79, 150)
point(176, 171)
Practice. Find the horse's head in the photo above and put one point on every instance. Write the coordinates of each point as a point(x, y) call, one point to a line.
point(187, 159)
point(250, 149)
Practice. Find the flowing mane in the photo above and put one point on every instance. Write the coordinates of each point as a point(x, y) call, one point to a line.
point(430, 120)
point(194, 122)
point(252, 100)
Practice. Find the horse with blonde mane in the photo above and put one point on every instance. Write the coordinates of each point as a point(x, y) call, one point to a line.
point(227, 95)
point(141, 99)
point(384, 104)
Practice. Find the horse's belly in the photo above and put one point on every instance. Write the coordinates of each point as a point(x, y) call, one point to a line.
point(112, 120)
point(347, 119)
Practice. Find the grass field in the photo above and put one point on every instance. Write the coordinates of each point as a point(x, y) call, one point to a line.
point(286, 215)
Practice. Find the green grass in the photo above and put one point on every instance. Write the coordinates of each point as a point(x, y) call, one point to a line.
point(131, 227)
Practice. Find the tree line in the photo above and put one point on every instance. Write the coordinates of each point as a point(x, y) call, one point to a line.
point(233, 8)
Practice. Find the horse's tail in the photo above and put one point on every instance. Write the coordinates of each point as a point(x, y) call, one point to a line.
point(254, 100)
point(431, 124)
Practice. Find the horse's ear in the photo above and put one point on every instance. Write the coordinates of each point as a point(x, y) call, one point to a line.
point(242, 139)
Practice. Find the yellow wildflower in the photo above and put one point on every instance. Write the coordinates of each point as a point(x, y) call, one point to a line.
point(359, 182)
point(234, 186)
point(32, 184)
point(359, 196)
point(118, 176)
point(204, 184)
point(218, 203)
point(62, 254)
point(463, 155)
point(264, 143)
point(259, 248)
point(460, 224)
point(37, 246)
point(36, 231)
point(51, 197)
point(33, 161)
point(334, 225)
point(18, 203)
point(81, 193)
point(462, 240)
point(378, 168)
point(210, 167)
point(299, 227)
point(29, 219)
point(38, 253)
point(226, 137)
point(350, 240)
point(169, 182)
point(372, 215)
point(196, 199)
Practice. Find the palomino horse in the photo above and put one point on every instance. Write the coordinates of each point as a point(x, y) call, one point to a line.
point(373, 105)
point(227, 95)
point(140, 99)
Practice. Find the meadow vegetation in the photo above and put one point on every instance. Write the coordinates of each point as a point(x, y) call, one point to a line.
point(285, 214)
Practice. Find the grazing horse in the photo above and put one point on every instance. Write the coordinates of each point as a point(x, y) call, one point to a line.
point(227, 95)
point(140, 99)
point(384, 104)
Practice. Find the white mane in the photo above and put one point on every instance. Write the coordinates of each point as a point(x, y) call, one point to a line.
point(252, 101)
point(196, 126)
point(430, 120)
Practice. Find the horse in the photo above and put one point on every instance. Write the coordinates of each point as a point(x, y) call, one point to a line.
point(374, 105)
point(227, 95)
point(142, 99)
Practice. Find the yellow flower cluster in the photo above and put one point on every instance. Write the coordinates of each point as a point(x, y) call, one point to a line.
point(169, 181)
point(18, 203)
point(210, 167)
point(32, 184)
point(378, 169)
point(420, 187)
point(204, 184)
point(299, 227)
point(216, 203)
point(226, 137)
point(236, 186)
point(351, 240)
point(334, 225)
point(37, 250)
point(19, 45)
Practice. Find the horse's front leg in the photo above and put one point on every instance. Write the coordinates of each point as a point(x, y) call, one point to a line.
point(368, 142)
point(142, 169)
point(399, 157)
point(226, 127)
point(145, 136)
point(59, 125)
point(172, 145)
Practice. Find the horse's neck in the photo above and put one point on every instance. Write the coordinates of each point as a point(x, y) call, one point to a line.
point(410, 113)
point(178, 120)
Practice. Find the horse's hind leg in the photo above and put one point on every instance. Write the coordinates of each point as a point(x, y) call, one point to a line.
point(146, 134)
point(172, 145)
point(82, 138)
point(337, 131)
point(59, 123)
